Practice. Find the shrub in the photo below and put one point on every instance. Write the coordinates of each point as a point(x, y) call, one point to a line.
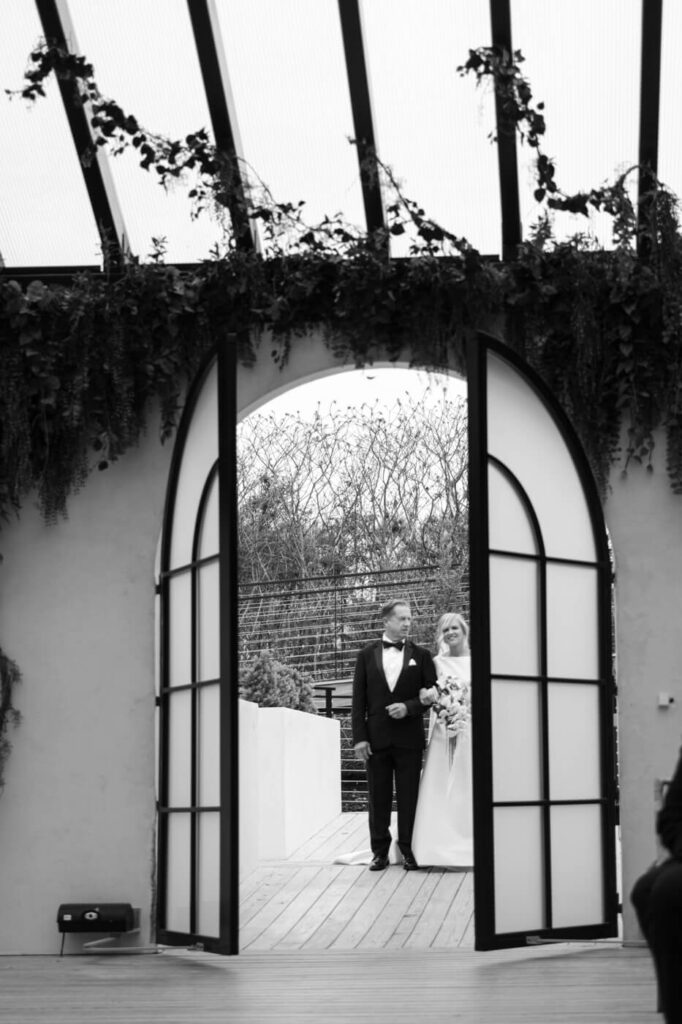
point(272, 684)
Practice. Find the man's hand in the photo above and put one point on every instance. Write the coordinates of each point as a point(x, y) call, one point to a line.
point(397, 710)
point(363, 751)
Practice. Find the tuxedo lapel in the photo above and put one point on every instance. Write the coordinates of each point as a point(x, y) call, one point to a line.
point(379, 662)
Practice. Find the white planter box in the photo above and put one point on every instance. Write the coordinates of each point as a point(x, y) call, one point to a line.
point(248, 787)
point(299, 778)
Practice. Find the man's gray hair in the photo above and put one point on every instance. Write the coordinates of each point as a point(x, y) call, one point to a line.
point(388, 608)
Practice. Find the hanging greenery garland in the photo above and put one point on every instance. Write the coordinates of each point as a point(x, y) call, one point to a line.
point(9, 677)
point(79, 365)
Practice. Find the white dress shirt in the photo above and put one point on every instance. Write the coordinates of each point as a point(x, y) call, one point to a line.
point(392, 661)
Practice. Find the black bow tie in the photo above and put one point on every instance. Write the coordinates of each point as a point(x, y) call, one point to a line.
point(398, 644)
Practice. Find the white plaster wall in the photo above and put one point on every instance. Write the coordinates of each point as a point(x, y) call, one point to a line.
point(300, 773)
point(77, 615)
point(309, 358)
point(645, 521)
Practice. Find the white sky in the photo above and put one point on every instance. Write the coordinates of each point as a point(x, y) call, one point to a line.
point(356, 387)
point(293, 114)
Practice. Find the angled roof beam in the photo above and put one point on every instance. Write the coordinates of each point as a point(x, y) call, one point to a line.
point(358, 84)
point(58, 29)
point(649, 109)
point(500, 18)
point(204, 18)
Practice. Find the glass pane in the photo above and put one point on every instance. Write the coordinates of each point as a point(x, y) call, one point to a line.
point(517, 744)
point(178, 879)
point(209, 542)
point(514, 617)
point(208, 619)
point(519, 873)
point(293, 102)
point(208, 910)
point(509, 526)
point(669, 138)
point(523, 435)
point(588, 148)
point(180, 749)
point(180, 629)
point(49, 220)
point(572, 622)
point(574, 742)
point(149, 65)
point(201, 452)
point(431, 126)
point(577, 857)
point(209, 746)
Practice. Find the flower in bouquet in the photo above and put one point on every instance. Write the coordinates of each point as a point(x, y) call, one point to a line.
point(452, 705)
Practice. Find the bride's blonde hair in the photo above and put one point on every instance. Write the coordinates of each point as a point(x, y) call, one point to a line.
point(447, 620)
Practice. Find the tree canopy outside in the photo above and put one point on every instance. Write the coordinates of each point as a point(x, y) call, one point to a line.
point(354, 489)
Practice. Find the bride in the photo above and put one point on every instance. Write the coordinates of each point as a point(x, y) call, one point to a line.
point(443, 828)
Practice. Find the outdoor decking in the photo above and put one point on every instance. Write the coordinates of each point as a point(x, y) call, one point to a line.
point(308, 902)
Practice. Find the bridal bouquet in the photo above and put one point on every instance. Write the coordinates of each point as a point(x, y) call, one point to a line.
point(451, 701)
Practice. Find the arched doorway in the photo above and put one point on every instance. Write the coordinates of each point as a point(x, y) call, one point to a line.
point(544, 791)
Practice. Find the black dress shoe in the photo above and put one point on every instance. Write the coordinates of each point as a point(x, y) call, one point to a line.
point(378, 863)
point(409, 863)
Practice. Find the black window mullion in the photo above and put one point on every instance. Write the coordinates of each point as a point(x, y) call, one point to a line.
point(194, 564)
point(544, 725)
point(551, 559)
point(194, 832)
point(164, 727)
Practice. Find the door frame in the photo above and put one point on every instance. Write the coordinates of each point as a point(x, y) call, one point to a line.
point(476, 353)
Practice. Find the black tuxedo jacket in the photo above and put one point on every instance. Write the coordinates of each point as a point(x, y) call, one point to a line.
point(371, 697)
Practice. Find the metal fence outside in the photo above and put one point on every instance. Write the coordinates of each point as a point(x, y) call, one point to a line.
point(319, 623)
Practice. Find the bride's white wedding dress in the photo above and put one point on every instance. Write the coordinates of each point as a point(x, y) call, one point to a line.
point(443, 827)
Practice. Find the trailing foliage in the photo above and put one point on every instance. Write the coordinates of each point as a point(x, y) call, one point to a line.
point(272, 684)
point(79, 365)
point(9, 677)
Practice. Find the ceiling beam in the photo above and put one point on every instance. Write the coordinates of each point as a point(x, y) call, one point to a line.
point(58, 30)
point(363, 125)
point(206, 29)
point(649, 108)
point(500, 19)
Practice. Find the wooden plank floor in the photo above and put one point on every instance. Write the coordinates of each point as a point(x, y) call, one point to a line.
point(590, 984)
point(308, 902)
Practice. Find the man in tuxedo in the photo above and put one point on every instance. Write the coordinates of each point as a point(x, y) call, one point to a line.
point(388, 729)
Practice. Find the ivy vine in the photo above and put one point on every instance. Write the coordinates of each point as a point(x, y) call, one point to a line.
point(9, 677)
point(82, 363)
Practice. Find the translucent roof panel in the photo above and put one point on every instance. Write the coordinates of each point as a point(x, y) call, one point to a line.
point(670, 138)
point(45, 214)
point(431, 126)
point(583, 61)
point(288, 77)
point(148, 63)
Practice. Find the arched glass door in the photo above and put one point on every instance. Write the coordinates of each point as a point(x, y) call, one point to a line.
point(197, 817)
point(544, 775)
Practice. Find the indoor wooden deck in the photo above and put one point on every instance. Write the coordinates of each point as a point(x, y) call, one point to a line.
point(308, 902)
point(600, 984)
